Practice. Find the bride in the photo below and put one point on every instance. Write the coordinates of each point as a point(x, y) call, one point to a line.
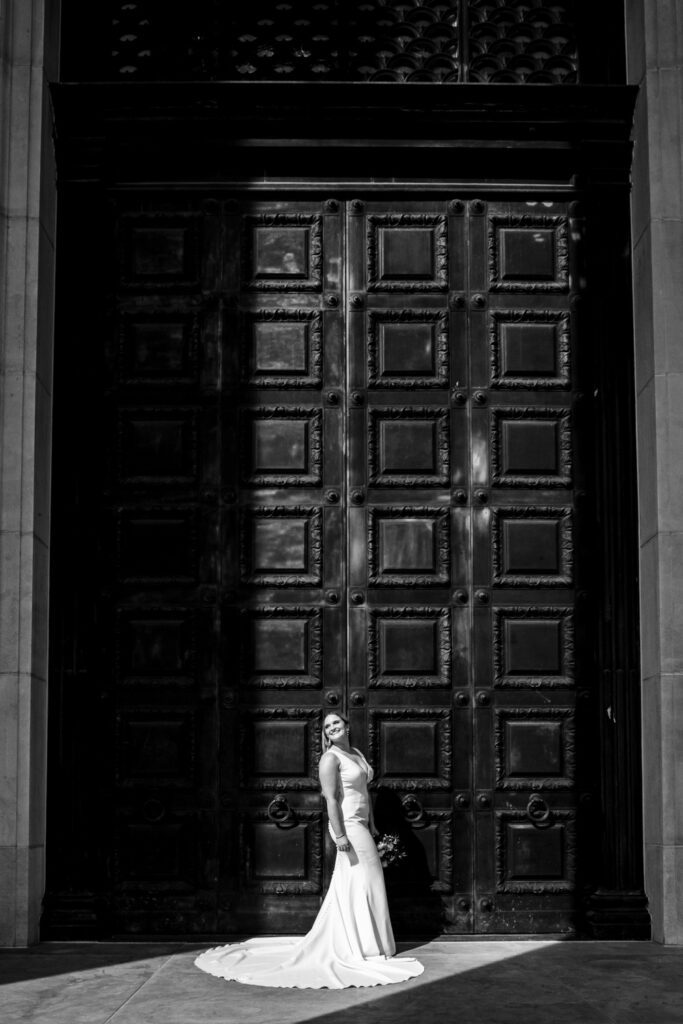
point(351, 942)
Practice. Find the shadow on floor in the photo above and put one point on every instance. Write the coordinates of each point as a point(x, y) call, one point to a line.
point(484, 982)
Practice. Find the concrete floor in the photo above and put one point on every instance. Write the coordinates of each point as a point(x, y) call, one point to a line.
point(533, 982)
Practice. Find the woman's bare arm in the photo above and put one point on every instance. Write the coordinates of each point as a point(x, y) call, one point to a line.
point(329, 775)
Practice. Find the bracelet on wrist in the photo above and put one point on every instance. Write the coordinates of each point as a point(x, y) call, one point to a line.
point(338, 838)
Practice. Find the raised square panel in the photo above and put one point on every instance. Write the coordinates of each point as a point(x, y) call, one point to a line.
point(533, 647)
point(530, 349)
point(408, 748)
point(408, 447)
point(152, 853)
point(407, 252)
point(284, 861)
point(284, 349)
point(279, 748)
point(532, 859)
point(279, 743)
point(535, 748)
point(411, 747)
point(280, 348)
point(282, 447)
point(278, 853)
point(409, 647)
point(156, 646)
point(408, 349)
point(531, 448)
point(281, 546)
point(159, 251)
point(281, 647)
point(280, 252)
point(155, 746)
point(532, 546)
point(157, 446)
point(283, 252)
point(279, 444)
point(158, 348)
point(408, 546)
point(528, 253)
point(157, 545)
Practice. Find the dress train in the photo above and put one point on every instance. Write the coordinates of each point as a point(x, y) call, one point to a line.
point(351, 942)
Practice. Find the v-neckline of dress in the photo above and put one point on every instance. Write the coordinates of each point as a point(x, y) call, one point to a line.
point(356, 758)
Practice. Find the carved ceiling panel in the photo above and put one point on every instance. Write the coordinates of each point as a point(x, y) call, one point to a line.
point(436, 41)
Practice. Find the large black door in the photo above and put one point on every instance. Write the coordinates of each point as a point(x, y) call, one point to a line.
point(343, 459)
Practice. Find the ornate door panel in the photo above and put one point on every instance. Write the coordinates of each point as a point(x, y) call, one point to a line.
point(461, 539)
point(156, 480)
point(222, 611)
point(526, 468)
point(284, 559)
point(408, 538)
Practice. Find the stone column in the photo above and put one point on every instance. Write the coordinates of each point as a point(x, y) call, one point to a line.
point(29, 32)
point(655, 63)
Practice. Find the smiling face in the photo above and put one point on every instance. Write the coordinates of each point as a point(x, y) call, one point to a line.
point(334, 728)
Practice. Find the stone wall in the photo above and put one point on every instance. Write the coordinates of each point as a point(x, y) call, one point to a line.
point(29, 31)
point(655, 63)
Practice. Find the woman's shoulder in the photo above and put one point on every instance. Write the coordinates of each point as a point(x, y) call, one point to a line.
point(329, 758)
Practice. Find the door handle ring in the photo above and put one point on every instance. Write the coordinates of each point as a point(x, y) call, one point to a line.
point(413, 811)
point(537, 810)
point(279, 811)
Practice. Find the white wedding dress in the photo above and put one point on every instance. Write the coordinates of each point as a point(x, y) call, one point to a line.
point(351, 942)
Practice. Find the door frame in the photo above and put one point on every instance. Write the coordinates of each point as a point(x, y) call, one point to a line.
point(571, 142)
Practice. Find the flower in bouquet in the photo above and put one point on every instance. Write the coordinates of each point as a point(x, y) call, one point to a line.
point(390, 850)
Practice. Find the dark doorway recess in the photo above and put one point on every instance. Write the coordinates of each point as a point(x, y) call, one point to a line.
point(344, 425)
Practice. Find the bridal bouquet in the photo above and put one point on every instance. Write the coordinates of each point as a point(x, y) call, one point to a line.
point(390, 850)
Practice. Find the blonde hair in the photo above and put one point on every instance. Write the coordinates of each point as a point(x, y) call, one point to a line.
point(326, 742)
